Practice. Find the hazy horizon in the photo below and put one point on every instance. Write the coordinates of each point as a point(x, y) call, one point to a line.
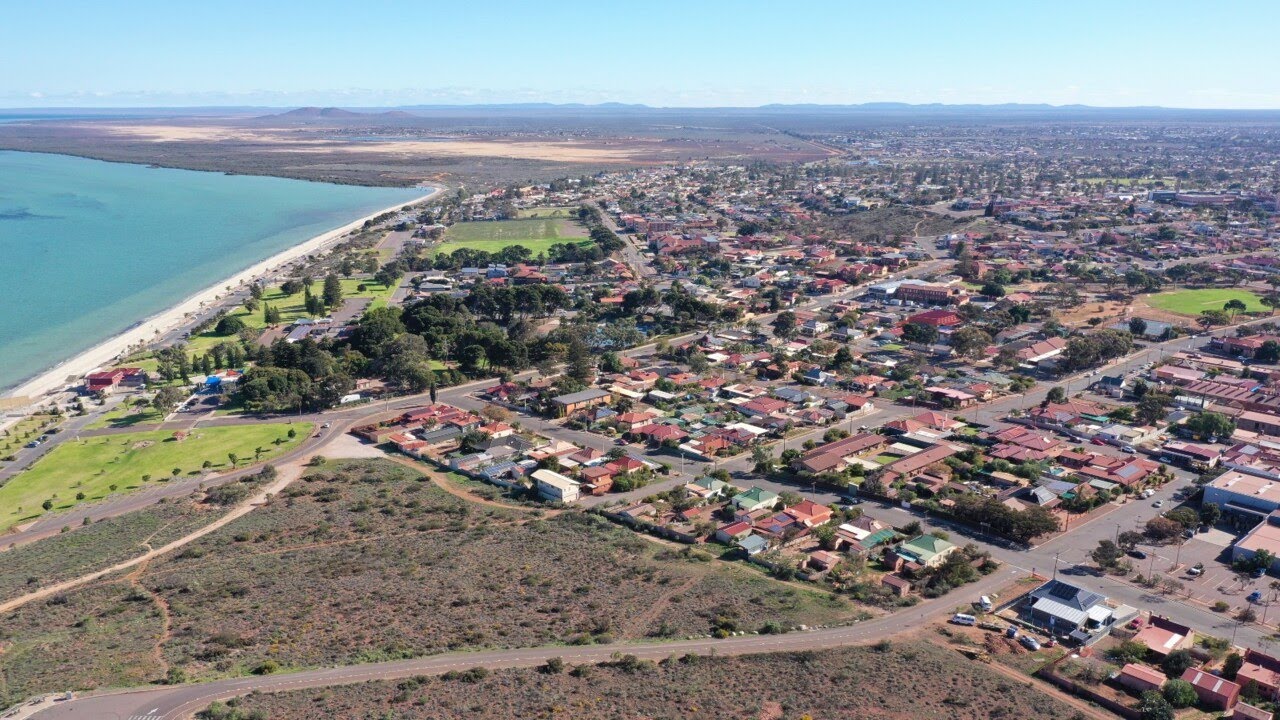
point(382, 53)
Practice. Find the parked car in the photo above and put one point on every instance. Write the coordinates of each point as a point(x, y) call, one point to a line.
point(1255, 596)
point(1098, 441)
point(1029, 643)
point(1258, 572)
point(1137, 554)
point(1157, 504)
point(1135, 624)
point(1166, 459)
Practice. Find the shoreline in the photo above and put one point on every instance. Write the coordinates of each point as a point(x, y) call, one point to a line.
point(144, 332)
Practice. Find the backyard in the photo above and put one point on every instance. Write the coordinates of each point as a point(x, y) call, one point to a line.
point(91, 468)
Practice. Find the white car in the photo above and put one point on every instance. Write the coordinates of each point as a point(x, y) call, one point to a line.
point(1157, 504)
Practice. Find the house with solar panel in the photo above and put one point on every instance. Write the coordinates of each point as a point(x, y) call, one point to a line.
point(1063, 609)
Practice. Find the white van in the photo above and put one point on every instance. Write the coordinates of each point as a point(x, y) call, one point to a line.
point(962, 619)
point(984, 602)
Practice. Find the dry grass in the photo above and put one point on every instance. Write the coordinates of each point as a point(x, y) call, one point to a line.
point(367, 560)
point(916, 680)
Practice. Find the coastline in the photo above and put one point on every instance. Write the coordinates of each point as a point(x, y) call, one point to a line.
point(55, 378)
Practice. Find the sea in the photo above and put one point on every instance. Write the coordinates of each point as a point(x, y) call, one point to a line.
point(91, 248)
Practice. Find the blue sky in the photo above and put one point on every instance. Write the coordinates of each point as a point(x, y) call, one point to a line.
point(689, 53)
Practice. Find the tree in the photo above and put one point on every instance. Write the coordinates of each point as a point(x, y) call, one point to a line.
point(922, 333)
point(1151, 408)
point(1209, 318)
point(473, 358)
point(1155, 707)
point(1184, 516)
point(1179, 693)
point(1107, 554)
point(1137, 327)
point(1269, 352)
point(166, 398)
point(332, 293)
point(229, 325)
point(1210, 514)
point(580, 365)
point(1162, 529)
point(970, 341)
point(1210, 424)
point(1056, 395)
point(235, 459)
point(1232, 665)
point(784, 325)
point(992, 289)
point(1128, 651)
point(1233, 306)
point(1177, 662)
point(1129, 539)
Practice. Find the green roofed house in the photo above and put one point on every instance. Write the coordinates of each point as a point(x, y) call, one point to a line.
point(754, 499)
point(925, 551)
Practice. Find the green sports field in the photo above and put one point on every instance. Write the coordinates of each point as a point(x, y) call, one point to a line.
point(92, 465)
point(548, 212)
point(536, 234)
point(1192, 302)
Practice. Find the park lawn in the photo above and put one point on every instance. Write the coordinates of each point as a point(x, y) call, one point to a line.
point(548, 212)
point(93, 465)
point(536, 234)
point(291, 308)
point(125, 415)
point(1192, 302)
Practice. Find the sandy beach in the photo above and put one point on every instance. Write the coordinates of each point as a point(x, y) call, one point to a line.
point(105, 353)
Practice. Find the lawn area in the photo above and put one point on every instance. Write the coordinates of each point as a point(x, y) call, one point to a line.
point(537, 235)
point(290, 307)
point(548, 212)
point(126, 415)
point(98, 466)
point(886, 459)
point(1192, 302)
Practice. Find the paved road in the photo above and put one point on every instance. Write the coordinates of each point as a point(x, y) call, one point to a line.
point(171, 703)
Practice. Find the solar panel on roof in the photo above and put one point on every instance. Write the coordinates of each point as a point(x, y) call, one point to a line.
point(1062, 591)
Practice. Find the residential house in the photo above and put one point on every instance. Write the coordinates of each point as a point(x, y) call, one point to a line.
point(1064, 608)
point(1214, 692)
point(573, 402)
point(754, 499)
point(1140, 678)
point(555, 487)
point(924, 551)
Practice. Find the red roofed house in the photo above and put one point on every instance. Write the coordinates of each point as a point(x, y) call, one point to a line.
point(599, 478)
point(1263, 670)
point(1215, 692)
point(809, 513)
point(936, 318)
point(1140, 678)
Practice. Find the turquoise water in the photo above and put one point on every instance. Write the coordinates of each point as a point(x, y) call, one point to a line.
point(89, 248)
